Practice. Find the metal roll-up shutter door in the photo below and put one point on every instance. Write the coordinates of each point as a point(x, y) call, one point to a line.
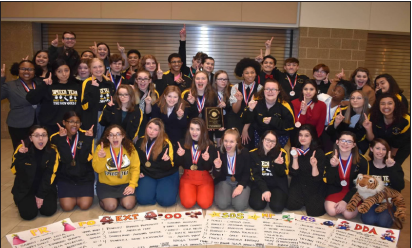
point(227, 45)
point(387, 53)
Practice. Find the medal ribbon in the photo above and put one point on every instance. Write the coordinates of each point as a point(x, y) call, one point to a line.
point(26, 87)
point(74, 145)
point(231, 164)
point(149, 151)
point(220, 97)
point(345, 168)
point(290, 82)
point(309, 103)
point(117, 162)
point(112, 78)
point(303, 152)
point(252, 86)
point(195, 154)
point(201, 104)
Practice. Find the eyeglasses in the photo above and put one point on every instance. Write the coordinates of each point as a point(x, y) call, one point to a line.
point(39, 135)
point(26, 69)
point(69, 39)
point(349, 142)
point(123, 95)
point(175, 62)
point(271, 90)
point(270, 141)
point(321, 72)
point(74, 122)
point(356, 98)
point(143, 79)
point(222, 79)
point(111, 135)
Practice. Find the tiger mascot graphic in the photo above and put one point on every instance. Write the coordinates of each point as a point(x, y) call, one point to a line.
point(372, 191)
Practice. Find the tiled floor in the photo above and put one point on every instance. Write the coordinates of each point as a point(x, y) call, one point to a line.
point(11, 221)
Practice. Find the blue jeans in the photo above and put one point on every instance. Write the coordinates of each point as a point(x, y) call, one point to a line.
point(377, 219)
point(163, 190)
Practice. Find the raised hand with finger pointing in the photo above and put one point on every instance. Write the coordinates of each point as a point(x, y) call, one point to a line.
point(218, 161)
point(390, 161)
point(279, 159)
point(94, 82)
point(180, 112)
point(23, 148)
point(89, 132)
point(180, 151)
point(120, 48)
point(313, 160)
point(191, 98)
point(101, 153)
point(48, 80)
point(334, 161)
point(166, 157)
point(259, 58)
point(206, 155)
point(55, 42)
point(268, 43)
point(62, 130)
point(339, 117)
point(159, 72)
point(367, 124)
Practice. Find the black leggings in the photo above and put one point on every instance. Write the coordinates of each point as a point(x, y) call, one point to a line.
point(28, 208)
point(18, 134)
point(277, 202)
point(313, 201)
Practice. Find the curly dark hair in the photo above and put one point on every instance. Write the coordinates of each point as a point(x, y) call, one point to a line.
point(14, 69)
point(126, 142)
point(398, 113)
point(245, 63)
point(393, 85)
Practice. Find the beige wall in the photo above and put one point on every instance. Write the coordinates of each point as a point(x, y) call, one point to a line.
point(337, 48)
point(16, 43)
point(281, 13)
point(379, 16)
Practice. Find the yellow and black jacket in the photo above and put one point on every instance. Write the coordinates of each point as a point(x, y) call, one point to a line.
point(266, 174)
point(397, 134)
point(24, 166)
point(282, 120)
point(82, 171)
point(158, 168)
point(132, 123)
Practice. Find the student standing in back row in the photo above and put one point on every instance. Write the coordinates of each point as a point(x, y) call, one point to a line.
point(291, 81)
point(66, 52)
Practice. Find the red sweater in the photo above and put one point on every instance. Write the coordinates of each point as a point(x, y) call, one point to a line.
point(315, 116)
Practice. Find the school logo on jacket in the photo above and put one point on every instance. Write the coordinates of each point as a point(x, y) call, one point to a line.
point(80, 144)
point(104, 95)
point(64, 97)
point(265, 168)
point(396, 130)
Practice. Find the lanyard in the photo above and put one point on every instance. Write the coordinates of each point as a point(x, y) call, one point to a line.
point(117, 161)
point(345, 168)
point(149, 151)
point(303, 152)
point(201, 104)
point(246, 98)
point(290, 82)
point(309, 103)
point(112, 78)
point(26, 87)
point(195, 153)
point(74, 145)
point(231, 164)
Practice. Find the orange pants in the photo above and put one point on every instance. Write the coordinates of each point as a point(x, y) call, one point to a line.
point(196, 186)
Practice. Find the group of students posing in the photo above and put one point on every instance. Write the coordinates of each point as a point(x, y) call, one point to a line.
point(121, 118)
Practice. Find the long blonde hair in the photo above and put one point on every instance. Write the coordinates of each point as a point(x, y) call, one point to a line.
point(365, 108)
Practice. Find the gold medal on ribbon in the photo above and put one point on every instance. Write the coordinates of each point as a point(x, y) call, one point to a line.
point(147, 164)
point(193, 167)
point(233, 179)
point(119, 175)
point(73, 163)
